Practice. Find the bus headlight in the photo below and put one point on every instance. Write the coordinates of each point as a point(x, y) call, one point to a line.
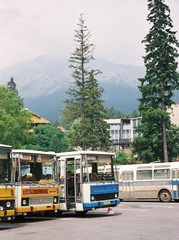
point(24, 202)
point(1, 208)
point(55, 200)
point(8, 204)
point(92, 198)
point(116, 195)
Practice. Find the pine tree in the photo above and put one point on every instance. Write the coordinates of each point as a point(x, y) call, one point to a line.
point(80, 104)
point(11, 84)
point(97, 128)
point(159, 83)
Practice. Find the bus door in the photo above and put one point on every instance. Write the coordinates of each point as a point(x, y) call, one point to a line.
point(60, 172)
point(73, 186)
point(175, 183)
point(127, 185)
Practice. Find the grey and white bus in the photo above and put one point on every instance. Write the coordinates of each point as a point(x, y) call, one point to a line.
point(148, 181)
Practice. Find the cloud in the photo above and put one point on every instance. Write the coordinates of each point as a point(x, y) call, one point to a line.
point(31, 28)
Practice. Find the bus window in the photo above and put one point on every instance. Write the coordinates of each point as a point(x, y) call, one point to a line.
point(131, 176)
point(173, 173)
point(161, 174)
point(144, 174)
point(127, 175)
point(3, 171)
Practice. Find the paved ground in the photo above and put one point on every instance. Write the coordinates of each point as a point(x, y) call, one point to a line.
point(131, 221)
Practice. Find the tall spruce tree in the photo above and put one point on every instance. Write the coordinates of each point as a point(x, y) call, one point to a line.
point(84, 105)
point(158, 85)
point(12, 85)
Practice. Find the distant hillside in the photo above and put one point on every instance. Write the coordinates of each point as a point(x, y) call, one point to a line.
point(43, 82)
point(48, 106)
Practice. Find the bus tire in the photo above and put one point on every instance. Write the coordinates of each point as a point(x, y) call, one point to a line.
point(165, 196)
point(81, 214)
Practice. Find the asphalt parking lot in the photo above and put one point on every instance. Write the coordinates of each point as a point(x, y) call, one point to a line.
point(131, 220)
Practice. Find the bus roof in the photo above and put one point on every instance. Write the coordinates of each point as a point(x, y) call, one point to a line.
point(32, 152)
point(77, 153)
point(5, 146)
point(149, 165)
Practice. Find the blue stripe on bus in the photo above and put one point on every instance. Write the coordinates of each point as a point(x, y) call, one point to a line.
point(104, 188)
point(174, 194)
point(175, 182)
point(101, 204)
point(146, 183)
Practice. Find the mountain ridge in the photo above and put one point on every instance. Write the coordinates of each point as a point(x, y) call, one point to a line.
point(43, 81)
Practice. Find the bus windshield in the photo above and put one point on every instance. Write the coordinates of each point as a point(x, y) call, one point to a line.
point(35, 172)
point(98, 168)
point(4, 168)
point(33, 166)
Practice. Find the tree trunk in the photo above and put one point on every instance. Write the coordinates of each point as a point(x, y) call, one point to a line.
point(165, 152)
point(165, 143)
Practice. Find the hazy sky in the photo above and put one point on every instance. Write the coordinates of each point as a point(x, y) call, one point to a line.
point(30, 28)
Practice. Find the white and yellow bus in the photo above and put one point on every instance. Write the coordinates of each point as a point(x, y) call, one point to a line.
point(36, 191)
point(7, 197)
point(149, 181)
point(82, 188)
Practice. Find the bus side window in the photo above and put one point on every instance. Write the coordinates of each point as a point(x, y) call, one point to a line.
point(126, 175)
point(144, 174)
point(161, 174)
point(173, 173)
point(131, 176)
point(123, 176)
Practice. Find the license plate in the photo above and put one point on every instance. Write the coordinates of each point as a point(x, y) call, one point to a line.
point(106, 203)
point(41, 208)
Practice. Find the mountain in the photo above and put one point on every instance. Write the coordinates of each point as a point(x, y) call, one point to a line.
point(43, 81)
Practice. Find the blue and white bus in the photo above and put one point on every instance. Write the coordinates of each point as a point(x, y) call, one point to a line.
point(82, 188)
point(148, 181)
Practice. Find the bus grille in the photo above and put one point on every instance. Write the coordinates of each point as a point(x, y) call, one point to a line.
point(102, 197)
point(39, 201)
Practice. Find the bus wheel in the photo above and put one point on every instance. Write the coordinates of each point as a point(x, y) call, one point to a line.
point(81, 214)
point(165, 196)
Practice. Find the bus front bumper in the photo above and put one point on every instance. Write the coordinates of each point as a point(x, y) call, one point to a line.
point(101, 204)
point(7, 215)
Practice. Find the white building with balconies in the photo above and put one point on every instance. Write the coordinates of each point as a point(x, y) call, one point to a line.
point(122, 131)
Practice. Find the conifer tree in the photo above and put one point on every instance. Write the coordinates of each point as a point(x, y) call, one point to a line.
point(12, 85)
point(84, 105)
point(159, 83)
